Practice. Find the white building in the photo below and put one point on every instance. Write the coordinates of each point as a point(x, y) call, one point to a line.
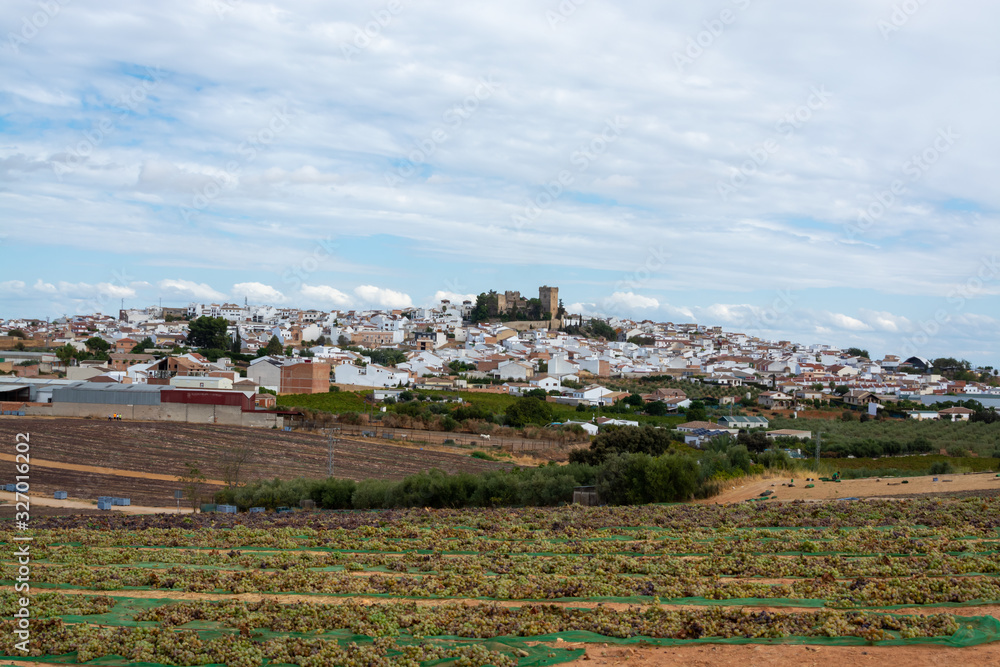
point(200, 382)
point(594, 394)
point(266, 372)
point(370, 376)
point(546, 382)
point(515, 370)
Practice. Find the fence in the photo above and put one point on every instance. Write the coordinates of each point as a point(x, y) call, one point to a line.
point(441, 437)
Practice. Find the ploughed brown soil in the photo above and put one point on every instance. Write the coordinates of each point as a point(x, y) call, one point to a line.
point(88, 458)
point(885, 487)
point(757, 655)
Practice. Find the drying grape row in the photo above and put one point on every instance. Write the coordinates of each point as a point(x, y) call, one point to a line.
point(186, 647)
point(394, 539)
point(47, 605)
point(689, 573)
point(491, 620)
point(733, 565)
point(979, 516)
point(862, 592)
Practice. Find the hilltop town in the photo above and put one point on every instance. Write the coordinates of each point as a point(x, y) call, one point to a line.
point(262, 350)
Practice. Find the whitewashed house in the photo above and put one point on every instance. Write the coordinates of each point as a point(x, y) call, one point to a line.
point(371, 375)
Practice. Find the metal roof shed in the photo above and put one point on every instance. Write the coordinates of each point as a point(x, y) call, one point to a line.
point(109, 394)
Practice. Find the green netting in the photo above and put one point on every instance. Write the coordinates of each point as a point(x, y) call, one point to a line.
point(634, 599)
point(974, 630)
point(527, 655)
point(533, 651)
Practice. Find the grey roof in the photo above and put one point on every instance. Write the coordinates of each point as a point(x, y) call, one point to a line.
point(752, 420)
point(110, 394)
point(36, 382)
point(134, 388)
point(706, 431)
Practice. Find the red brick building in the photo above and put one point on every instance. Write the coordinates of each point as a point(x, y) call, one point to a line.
point(124, 345)
point(305, 378)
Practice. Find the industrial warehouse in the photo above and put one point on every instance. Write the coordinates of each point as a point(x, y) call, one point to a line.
point(68, 398)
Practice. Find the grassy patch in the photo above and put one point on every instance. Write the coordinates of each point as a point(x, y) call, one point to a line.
point(350, 401)
point(336, 402)
point(889, 466)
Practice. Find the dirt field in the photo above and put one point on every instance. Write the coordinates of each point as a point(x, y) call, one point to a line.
point(760, 656)
point(46, 506)
point(142, 460)
point(784, 656)
point(859, 488)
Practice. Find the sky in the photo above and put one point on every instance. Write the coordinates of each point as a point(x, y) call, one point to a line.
point(815, 172)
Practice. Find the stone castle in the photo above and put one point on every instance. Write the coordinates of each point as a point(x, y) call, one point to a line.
point(513, 301)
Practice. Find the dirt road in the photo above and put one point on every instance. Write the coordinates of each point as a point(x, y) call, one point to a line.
point(885, 487)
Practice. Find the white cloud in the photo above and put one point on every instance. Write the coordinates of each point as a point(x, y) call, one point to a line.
point(727, 313)
point(100, 291)
point(886, 321)
point(114, 291)
point(326, 295)
point(976, 320)
point(41, 286)
point(386, 298)
point(615, 181)
point(630, 301)
point(12, 286)
point(845, 322)
point(188, 289)
point(257, 293)
point(679, 313)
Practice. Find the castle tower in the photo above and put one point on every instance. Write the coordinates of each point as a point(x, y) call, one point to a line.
point(549, 296)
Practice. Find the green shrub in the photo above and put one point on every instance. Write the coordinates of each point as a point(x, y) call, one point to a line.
point(334, 493)
point(370, 494)
point(941, 468)
point(774, 459)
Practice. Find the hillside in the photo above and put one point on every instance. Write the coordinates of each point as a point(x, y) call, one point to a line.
point(140, 459)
